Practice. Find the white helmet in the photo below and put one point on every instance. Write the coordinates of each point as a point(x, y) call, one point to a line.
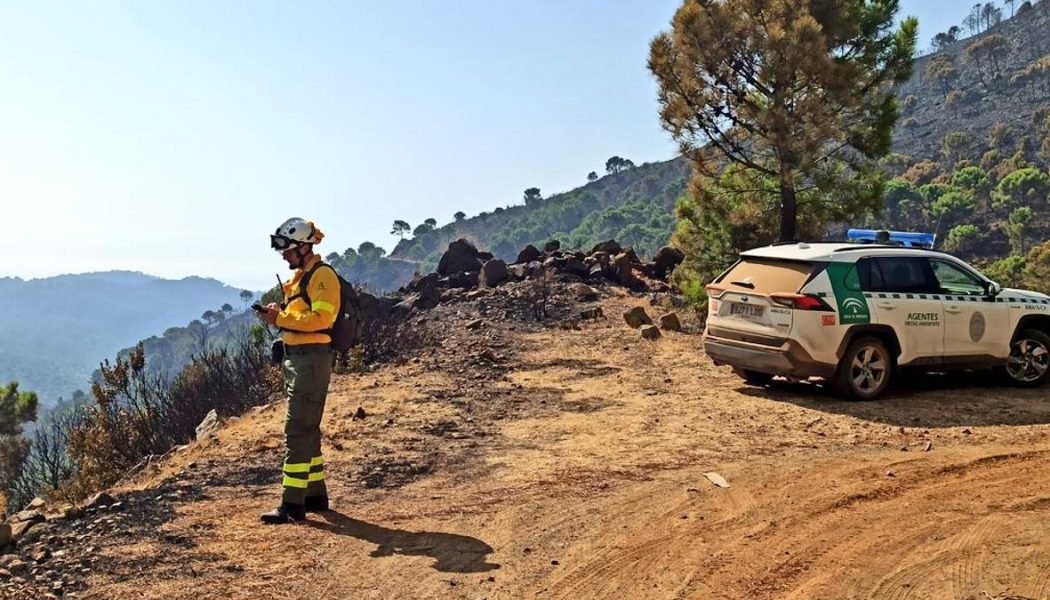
point(294, 233)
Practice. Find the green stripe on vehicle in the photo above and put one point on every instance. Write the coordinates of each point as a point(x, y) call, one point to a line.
point(845, 285)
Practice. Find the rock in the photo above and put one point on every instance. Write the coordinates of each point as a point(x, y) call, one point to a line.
point(211, 423)
point(40, 555)
point(528, 254)
point(475, 294)
point(493, 273)
point(636, 317)
point(483, 256)
point(460, 256)
point(927, 447)
point(99, 500)
point(517, 272)
point(575, 266)
point(583, 292)
point(359, 414)
point(20, 529)
point(610, 247)
point(552, 246)
point(465, 280)
point(66, 511)
point(666, 259)
point(27, 515)
point(670, 322)
point(37, 503)
point(716, 479)
point(475, 324)
point(622, 271)
point(6, 537)
point(17, 567)
point(650, 332)
point(592, 313)
point(632, 256)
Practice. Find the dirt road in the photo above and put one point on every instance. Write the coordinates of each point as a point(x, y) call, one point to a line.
point(580, 473)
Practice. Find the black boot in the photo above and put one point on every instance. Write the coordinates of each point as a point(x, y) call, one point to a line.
point(285, 513)
point(316, 504)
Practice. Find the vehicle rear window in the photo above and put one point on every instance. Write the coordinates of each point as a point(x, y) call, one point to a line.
point(767, 276)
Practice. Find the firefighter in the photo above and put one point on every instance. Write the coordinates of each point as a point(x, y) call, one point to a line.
point(305, 317)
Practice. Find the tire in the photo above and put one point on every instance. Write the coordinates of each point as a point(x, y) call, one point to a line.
point(1029, 362)
point(753, 377)
point(865, 369)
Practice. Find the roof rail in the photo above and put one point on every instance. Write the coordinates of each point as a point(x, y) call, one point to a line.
point(857, 247)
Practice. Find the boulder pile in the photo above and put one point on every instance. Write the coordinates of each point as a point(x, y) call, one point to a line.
point(464, 272)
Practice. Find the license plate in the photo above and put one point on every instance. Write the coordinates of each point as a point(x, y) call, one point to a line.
point(747, 311)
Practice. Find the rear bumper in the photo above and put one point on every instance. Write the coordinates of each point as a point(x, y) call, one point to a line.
point(789, 359)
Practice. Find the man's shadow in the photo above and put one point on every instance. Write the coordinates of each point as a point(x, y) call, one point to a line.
point(453, 553)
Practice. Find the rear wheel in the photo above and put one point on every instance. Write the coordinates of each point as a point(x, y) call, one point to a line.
point(865, 369)
point(753, 377)
point(1029, 362)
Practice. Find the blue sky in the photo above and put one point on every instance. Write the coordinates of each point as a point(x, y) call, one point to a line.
point(172, 138)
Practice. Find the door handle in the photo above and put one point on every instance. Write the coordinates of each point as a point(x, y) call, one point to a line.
point(887, 305)
point(953, 310)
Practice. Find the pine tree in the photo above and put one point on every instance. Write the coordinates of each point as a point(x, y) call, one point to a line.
point(783, 87)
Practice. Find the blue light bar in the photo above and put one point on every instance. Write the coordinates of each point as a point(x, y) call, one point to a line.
point(902, 238)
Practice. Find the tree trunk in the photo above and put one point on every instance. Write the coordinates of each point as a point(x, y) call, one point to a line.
point(788, 206)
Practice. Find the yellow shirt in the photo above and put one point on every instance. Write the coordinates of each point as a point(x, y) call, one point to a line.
point(307, 324)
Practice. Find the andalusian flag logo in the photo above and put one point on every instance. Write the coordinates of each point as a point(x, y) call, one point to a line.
point(845, 285)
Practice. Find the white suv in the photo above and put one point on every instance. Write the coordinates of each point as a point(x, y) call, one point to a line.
point(854, 314)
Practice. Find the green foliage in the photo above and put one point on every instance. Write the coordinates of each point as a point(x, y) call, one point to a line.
point(616, 164)
point(729, 88)
point(532, 196)
point(16, 409)
point(1017, 228)
point(961, 238)
point(400, 229)
point(1027, 186)
point(1007, 271)
point(138, 413)
point(1037, 268)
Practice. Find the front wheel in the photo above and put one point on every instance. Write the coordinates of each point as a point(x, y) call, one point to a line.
point(1029, 362)
point(865, 369)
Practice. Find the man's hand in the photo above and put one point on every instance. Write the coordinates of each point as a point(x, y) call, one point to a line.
point(269, 313)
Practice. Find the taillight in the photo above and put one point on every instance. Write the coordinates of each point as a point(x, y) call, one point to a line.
point(714, 291)
point(800, 301)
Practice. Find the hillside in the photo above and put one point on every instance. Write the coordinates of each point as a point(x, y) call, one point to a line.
point(60, 328)
point(514, 460)
point(996, 109)
point(990, 93)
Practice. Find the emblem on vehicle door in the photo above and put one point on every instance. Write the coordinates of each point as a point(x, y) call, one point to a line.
point(977, 326)
point(743, 298)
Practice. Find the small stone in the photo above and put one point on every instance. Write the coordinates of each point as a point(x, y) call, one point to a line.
point(555, 563)
point(890, 474)
point(636, 317)
point(359, 414)
point(927, 447)
point(475, 324)
point(17, 567)
point(98, 500)
point(650, 332)
point(5, 534)
point(967, 431)
point(670, 322)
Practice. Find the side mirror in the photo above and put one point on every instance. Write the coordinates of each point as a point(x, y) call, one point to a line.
point(994, 289)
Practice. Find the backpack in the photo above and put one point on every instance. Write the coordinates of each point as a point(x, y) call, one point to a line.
point(348, 328)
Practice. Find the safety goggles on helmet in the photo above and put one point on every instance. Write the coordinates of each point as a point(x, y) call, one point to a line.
point(281, 243)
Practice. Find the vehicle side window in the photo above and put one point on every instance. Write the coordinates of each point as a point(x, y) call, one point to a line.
point(870, 276)
point(906, 275)
point(954, 280)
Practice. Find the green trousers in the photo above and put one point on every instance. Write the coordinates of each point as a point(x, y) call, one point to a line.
point(307, 370)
